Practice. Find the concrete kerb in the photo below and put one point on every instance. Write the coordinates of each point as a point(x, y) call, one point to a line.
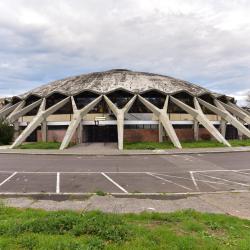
point(125, 152)
point(85, 196)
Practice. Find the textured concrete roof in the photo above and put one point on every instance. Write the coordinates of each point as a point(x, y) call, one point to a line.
point(104, 82)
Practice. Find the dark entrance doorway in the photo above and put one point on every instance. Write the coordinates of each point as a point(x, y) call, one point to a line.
point(106, 133)
point(231, 133)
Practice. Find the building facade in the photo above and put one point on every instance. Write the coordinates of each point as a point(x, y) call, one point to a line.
point(121, 105)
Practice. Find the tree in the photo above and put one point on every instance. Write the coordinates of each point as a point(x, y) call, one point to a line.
point(6, 132)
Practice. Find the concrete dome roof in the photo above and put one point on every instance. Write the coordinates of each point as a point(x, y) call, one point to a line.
point(108, 81)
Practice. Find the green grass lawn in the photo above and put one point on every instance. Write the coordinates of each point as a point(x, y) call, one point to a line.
point(37, 229)
point(41, 145)
point(146, 145)
point(240, 143)
point(185, 144)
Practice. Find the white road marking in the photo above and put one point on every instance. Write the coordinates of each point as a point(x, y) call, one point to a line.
point(218, 178)
point(214, 188)
point(58, 182)
point(194, 181)
point(189, 179)
point(7, 179)
point(218, 170)
point(115, 183)
point(163, 179)
point(240, 172)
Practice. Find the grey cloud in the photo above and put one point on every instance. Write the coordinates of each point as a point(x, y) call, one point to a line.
point(44, 40)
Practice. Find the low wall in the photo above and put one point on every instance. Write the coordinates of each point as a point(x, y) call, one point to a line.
point(185, 134)
point(136, 135)
point(55, 136)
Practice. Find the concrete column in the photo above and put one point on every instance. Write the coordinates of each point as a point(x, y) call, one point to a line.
point(16, 129)
point(160, 128)
point(44, 130)
point(240, 135)
point(223, 127)
point(196, 130)
point(120, 129)
point(79, 133)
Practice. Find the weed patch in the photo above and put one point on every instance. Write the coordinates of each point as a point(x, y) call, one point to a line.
point(37, 229)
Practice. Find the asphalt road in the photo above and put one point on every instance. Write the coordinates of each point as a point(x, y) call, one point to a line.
point(124, 174)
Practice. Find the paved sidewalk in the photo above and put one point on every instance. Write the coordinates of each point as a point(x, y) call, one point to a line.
point(236, 204)
point(116, 152)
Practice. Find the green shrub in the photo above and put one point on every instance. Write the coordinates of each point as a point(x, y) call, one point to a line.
point(6, 132)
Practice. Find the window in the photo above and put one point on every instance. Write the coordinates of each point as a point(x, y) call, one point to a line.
point(141, 126)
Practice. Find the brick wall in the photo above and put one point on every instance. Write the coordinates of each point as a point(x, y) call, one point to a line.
point(204, 134)
point(55, 135)
point(185, 134)
point(136, 135)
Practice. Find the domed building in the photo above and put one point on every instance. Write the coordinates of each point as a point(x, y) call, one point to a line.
point(122, 105)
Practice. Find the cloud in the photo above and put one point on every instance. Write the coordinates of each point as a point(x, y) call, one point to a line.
point(206, 42)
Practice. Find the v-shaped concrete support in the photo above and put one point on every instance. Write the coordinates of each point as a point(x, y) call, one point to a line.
point(239, 108)
point(201, 118)
point(120, 113)
point(163, 119)
point(18, 108)
point(19, 113)
point(8, 109)
point(235, 111)
point(221, 111)
point(5, 107)
point(76, 120)
point(38, 119)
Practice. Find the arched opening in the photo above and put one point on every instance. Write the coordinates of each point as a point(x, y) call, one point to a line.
point(223, 99)
point(16, 99)
point(84, 98)
point(139, 108)
point(209, 99)
point(155, 97)
point(120, 97)
point(54, 99)
point(31, 99)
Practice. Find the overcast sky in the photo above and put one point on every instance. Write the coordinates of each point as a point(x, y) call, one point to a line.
point(203, 41)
